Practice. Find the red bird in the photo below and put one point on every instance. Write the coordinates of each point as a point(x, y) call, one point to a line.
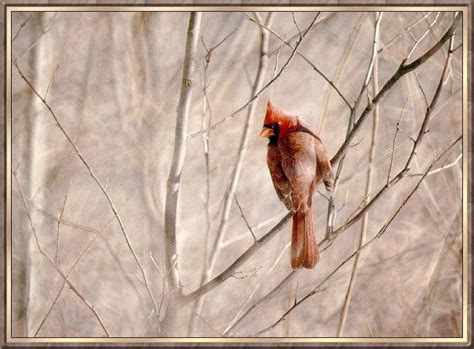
point(297, 162)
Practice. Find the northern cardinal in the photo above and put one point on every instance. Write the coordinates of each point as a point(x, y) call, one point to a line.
point(297, 161)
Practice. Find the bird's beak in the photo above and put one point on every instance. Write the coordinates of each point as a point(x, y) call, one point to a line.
point(267, 132)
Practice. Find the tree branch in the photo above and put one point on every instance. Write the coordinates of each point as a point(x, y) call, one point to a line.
point(257, 94)
point(324, 244)
point(106, 226)
point(317, 289)
point(92, 174)
point(331, 215)
point(368, 186)
point(179, 153)
point(230, 270)
point(315, 68)
point(73, 288)
point(402, 70)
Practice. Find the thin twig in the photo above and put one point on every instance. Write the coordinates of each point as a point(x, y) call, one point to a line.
point(422, 36)
point(163, 285)
point(51, 82)
point(285, 281)
point(397, 130)
point(277, 58)
point(380, 233)
point(58, 228)
point(338, 73)
point(315, 68)
point(408, 28)
point(421, 88)
point(444, 167)
point(368, 189)
point(386, 152)
point(325, 244)
point(229, 271)
point(92, 174)
point(206, 120)
point(237, 168)
point(34, 43)
point(331, 215)
point(266, 86)
point(217, 280)
point(296, 25)
point(205, 321)
point(209, 51)
point(106, 226)
point(402, 70)
point(22, 25)
point(35, 235)
point(245, 218)
point(296, 36)
point(237, 316)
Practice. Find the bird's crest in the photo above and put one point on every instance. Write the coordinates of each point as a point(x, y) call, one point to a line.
point(274, 114)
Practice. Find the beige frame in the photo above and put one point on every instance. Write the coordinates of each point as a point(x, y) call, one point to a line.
point(9, 9)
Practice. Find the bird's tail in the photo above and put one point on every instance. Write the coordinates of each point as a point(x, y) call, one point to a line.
point(304, 250)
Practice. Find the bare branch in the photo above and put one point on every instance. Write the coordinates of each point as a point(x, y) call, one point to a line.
point(445, 167)
point(51, 82)
point(228, 272)
point(421, 88)
point(244, 218)
point(315, 68)
point(209, 51)
point(324, 244)
point(34, 43)
point(331, 215)
point(241, 153)
point(179, 151)
point(430, 108)
point(403, 69)
point(58, 228)
point(317, 289)
point(92, 174)
point(423, 36)
point(242, 150)
point(277, 58)
point(397, 130)
point(106, 226)
point(375, 45)
point(338, 73)
point(22, 25)
point(177, 162)
point(163, 285)
point(257, 94)
point(296, 25)
point(73, 288)
point(368, 188)
point(238, 315)
point(286, 280)
point(407, 29)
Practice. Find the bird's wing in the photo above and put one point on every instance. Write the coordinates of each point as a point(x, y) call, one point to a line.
point(298, 161)
point(280, 182)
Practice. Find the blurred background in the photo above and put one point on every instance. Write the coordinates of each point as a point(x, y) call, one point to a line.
point(113, 81)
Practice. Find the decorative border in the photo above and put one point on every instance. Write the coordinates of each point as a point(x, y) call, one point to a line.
point(9, 9)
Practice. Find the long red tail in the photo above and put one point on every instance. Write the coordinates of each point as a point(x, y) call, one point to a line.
point(304, 250)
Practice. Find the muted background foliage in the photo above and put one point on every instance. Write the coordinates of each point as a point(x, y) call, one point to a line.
point(115, 87)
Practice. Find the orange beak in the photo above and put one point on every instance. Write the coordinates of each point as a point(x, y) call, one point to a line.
point(267, 132)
